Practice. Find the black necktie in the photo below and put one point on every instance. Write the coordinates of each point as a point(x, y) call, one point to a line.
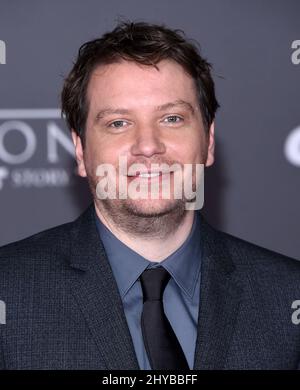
point(161, 344)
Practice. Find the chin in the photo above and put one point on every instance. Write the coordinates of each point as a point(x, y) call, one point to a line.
point(151, 208)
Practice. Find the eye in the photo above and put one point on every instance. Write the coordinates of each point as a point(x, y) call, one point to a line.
point(173, 119)
point(117, 124)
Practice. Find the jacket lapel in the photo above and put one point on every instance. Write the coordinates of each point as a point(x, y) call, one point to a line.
point(94, 287)
point(220, 298)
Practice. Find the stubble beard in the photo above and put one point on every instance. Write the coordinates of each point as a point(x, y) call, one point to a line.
point(141, 220)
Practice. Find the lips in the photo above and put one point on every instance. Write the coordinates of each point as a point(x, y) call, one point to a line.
point(146, 174)
point(149, 174)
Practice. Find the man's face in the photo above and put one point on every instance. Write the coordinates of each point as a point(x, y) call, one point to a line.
point(147, 115)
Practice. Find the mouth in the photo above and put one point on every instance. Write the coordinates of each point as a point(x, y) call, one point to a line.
point(146, 174)
point(149, 175)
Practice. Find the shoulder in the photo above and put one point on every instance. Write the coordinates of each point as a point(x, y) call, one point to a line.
point(246, 253)
point(262, 266)
point(49, 249)
point(41, 246)
point(267, 277)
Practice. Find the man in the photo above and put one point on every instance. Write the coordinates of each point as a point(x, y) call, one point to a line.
point(144, 282)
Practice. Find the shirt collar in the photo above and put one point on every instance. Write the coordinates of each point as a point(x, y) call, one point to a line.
point(127, 265)
point(184, 263)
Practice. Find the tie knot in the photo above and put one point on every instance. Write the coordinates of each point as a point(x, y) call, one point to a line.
point(154, 281)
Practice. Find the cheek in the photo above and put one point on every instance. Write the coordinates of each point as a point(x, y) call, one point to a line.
point(103, 152)
point(190, 150)
point(192, 143)
point(92, 156)
point(199, 148)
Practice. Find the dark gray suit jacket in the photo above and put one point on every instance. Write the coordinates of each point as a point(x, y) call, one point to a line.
point(64, 310)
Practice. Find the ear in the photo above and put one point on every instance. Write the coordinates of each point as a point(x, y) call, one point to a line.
point(79, 154)
point(211, 146)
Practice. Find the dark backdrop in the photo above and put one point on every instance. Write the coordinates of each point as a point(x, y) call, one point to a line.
point(253, 189)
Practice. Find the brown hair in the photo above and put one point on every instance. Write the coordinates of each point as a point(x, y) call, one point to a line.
point(145, 44)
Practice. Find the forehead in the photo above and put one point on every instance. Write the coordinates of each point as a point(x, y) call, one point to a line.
point(130, 83)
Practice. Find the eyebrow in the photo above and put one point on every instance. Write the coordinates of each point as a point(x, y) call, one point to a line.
point(121, 111)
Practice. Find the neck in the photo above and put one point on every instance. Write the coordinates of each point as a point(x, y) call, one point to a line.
point(155, 248)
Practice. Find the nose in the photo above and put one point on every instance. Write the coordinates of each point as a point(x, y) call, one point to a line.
point(147, 142)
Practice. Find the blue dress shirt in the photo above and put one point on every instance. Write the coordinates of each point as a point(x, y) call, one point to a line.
point(181, 296)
